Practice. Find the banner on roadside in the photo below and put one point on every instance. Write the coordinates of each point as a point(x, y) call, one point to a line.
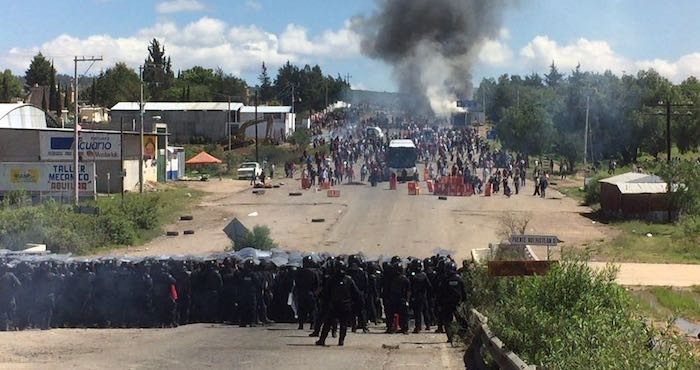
point(47, 177)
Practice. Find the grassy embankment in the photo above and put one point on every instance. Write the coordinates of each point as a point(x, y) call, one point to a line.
point(134, 220)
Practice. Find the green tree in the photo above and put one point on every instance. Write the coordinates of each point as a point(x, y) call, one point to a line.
point(267, 92)
point(10, 87)
point(53, 96)
point(157, 72)
point(39, 72)
point(527, 129)
point(553, 78)
point(118, 83)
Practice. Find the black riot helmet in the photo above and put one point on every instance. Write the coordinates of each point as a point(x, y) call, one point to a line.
point(249, 265)
point(417, 265)
point(450, 267)
point(307, 262)
point(340, 267)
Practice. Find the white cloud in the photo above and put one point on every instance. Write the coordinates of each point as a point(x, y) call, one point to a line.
point(254, 4)
point(209, 42)
point(177, 6)
point(342, 43)
point(599, 56)
point(591, 54)
point(496, 52)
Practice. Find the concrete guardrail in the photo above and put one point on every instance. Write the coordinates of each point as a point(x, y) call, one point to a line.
point(485, 342)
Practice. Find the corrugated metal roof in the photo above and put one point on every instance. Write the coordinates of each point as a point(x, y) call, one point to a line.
point(5, 108)
point(266, 109)
point(637, 183)
point(177, 106)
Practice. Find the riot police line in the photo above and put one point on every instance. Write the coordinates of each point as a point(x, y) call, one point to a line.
point(245, 288)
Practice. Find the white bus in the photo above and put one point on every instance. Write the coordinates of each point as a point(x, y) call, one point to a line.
point(401, 159)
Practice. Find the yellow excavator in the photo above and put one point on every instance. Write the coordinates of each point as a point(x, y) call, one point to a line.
point(238, 138)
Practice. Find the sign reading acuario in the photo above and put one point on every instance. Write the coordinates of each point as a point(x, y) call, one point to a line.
point(47, 177)
point(92, 146)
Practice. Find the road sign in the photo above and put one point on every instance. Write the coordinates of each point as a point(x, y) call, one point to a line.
point(519, 268)
point(469, 104)
point(549, 240)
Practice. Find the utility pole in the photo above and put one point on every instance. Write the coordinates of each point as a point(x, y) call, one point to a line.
point(668, 113)
point(76, 134)
point(121, 155)
point(257, 155)
point(585, 133)
point(141, 112)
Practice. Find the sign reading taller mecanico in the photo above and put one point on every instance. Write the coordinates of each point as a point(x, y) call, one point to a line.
point(47, 177)
point(92, 146)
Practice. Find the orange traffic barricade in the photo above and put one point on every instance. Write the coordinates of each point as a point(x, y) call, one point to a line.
point(487, 190)
point(333, 193)
point(412, 188)
point(326, 185)
point(431, 187)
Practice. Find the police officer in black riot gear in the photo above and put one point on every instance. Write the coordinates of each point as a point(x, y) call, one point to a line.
point(373, 305)
point(430, 307)
point(359, 276)
point(452, 293)
point(249, 287)
point(306, 283)
point(399, 296)
point(342, 294)
point(420, 286)
point(9, 284)
point(45, 284)
point(164, 296)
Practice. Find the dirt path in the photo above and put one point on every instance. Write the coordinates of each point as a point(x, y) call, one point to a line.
point(655, 274)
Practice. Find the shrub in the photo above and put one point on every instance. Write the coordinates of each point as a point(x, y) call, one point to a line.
point(16, 199)
point(592, 190)
point(574, 318)
point(259, 238)
point(116, 226)
point(142, 211)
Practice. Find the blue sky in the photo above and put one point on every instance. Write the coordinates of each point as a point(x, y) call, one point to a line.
point(237, 35)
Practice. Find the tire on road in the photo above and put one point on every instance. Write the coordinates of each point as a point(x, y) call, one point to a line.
point(172, 233)
point(316, 220)
point(442, 198)
point(186, 218)
point(188, 232)
point(295, 194)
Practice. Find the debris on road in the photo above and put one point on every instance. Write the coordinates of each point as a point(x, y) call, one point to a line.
point(186, 218)
point(253, 214)
point(295, 194)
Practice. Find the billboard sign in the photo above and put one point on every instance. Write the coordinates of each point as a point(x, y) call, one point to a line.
point(47, 177)
point(92, 146)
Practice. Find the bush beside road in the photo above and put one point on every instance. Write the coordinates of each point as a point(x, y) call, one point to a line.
point(135, 220)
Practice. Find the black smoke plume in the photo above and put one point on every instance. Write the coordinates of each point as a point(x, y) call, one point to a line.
point(431, 46)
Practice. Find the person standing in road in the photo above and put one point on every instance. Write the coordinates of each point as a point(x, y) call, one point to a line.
point(342, 294)
point(452, 293)
point(420, 286)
